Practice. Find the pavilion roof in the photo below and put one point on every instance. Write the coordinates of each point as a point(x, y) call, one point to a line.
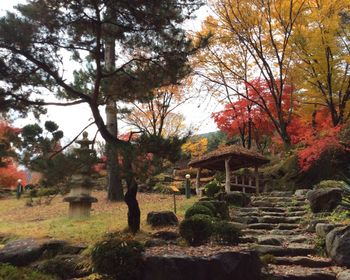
point(240, 158)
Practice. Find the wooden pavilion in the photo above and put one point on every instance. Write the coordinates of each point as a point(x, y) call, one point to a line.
point(228, 159)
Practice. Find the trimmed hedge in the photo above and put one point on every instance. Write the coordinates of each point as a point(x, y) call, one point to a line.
point(118, 257)
point(198, 209)
point(220, 208)
point(212, 188)
point(197, 229)
point(226, 233)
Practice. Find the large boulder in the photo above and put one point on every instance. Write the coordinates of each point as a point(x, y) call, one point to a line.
point(243, 265)
point(65, 266)
point(324, 200)
point(338, 245)
point(301, 193)
point(163, 218)
point(22, 252)
point(322, 229)
point(344, 275)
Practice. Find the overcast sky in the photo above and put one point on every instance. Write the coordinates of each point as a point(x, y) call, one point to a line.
point(72, 119)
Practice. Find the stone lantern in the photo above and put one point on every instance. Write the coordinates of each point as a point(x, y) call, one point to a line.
point(80, 198)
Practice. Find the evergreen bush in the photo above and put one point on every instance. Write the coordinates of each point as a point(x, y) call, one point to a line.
point(9, 272)
point(198, 209)
point(197, 230)
point(212, 188)
point(226, 233)
point(118, 257)
point(329, 184)
point(207, 204)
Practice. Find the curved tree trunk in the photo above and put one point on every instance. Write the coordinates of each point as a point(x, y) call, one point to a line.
point(134, 212)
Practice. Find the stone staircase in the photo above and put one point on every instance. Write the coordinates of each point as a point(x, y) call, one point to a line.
point(273, 226)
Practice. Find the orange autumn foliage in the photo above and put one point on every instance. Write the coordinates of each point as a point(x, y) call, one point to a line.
point(316, 139)
point(9, 173)
point(9, 176)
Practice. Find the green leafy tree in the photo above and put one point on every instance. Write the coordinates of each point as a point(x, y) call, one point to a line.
point(40, 149)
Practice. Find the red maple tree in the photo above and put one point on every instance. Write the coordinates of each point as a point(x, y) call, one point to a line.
point(9, 172)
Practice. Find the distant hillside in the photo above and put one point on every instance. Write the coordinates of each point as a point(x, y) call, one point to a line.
point(215, 138)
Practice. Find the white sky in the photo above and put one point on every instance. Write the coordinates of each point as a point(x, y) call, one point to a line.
point(73, 119)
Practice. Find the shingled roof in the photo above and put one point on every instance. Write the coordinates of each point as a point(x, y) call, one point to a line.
point(240, 158)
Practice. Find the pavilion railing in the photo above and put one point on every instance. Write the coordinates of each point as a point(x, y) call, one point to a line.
point(246, 182)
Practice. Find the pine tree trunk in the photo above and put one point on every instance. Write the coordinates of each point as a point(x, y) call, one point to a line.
point(114, 184)
point(134, 212)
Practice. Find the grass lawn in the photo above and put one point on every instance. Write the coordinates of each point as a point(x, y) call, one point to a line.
point(52, 220)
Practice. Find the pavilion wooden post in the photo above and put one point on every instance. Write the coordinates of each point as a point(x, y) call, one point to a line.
point(257, 179)
point(198, 179)
point(228, 175)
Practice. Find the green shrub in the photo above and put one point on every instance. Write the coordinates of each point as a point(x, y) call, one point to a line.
point(9, 272)
point(346, 195)
point(219, 208)
point(329, 184)
point(267, 259)
point(198, 209)
point(226, 233)
point(197, 230)
point(33, 193)
point(212, 188)
point(238, 199)
point(118, 257)
point(207, 204)
point(47, 191)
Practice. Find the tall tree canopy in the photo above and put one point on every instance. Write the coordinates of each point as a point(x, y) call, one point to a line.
point(252, 39)
point(151, 51)
point(322, 40)
point(156, 117)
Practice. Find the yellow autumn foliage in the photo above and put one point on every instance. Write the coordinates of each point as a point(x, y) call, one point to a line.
point(195, 147)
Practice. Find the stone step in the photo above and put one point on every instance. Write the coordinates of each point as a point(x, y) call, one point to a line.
point(267, 203)
point(285, 226)
point(278, 219)
point(295, 209)
point(281, 193)
point(265, 226)
point(272, 226)
point(246, 210)
point(276, 240)
point(264, 237)
point(280, 251)
point(300, 239)
point(271, 209)
point(245, 219)
point(259, 232)
point(296, 213)
point(286, 231)
point(254, 232)
point(303, 261)
point(300, 273)
point(249, 210)
point(248, 239)
point(273, 199)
